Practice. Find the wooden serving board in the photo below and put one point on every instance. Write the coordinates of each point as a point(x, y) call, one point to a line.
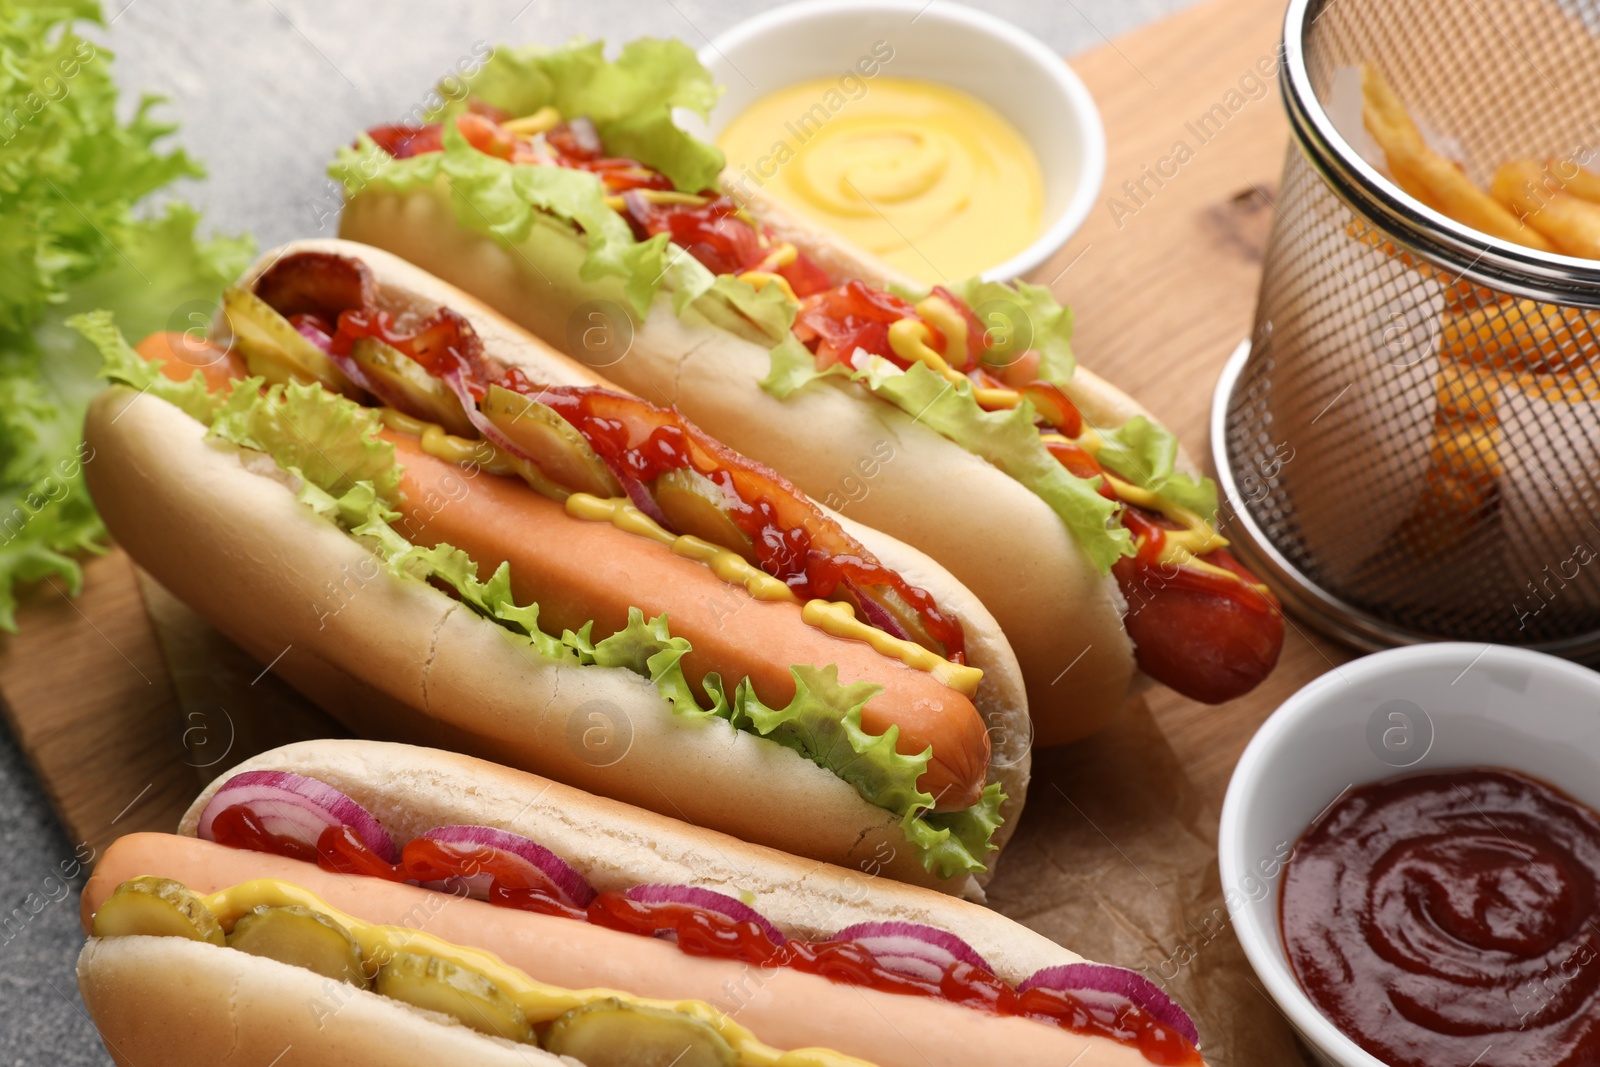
point(1163, 281)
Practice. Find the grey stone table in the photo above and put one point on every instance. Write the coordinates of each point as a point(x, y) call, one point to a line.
point(264, 90)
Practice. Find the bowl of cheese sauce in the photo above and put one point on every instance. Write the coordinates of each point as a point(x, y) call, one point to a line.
point(941, 139)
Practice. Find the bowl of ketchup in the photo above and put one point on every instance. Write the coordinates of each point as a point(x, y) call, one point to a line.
point(1410, 855)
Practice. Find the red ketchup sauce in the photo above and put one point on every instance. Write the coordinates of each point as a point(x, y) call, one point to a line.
point(702, 932)
point(1450, 919)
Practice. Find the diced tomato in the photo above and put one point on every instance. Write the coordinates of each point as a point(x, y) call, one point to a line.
point(403, 142)
point(487, 136)
point(712, 233)
point(834, 323)
point(804, 276)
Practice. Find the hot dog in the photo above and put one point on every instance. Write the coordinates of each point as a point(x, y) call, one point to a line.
point(1058, 500)
point(281, 915)
point(444, 531)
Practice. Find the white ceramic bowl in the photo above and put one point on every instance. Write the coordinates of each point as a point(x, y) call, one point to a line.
point(1426, 707)
point(988, 57)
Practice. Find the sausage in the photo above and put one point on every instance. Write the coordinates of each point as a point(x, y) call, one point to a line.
point(180, 355)
point(1205, 645)
point(579, 571)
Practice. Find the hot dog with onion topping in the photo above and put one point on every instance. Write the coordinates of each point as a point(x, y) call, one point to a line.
point(319, 893)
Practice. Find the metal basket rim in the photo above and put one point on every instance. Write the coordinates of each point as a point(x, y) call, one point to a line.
point(1478, 257)
point(1303, 598)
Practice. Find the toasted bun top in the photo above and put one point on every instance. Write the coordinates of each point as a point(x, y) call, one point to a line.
point(616, 846)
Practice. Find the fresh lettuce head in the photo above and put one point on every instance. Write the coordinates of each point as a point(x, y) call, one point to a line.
point(71, 173)
point(348, 474)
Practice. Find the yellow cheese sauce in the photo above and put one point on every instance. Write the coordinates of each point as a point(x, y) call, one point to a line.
point(540, 1002)
point(928, 177)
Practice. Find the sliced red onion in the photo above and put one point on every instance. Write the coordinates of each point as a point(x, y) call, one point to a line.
point(640, 495)
point(876, 614)
point(480, 421)
point(353, 370)
point(541, 868)
point(924, 952)
point(710, 900)
point(1105, 989)
point(584, 133)
point(313, 333)
point(294, 806)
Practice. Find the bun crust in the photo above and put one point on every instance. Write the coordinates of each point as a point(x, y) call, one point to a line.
point(1063, 619)
point(411, 790)
point(168, 1001)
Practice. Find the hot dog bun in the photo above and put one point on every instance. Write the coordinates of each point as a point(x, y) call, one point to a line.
point(139, 988)
point(1063, 618)
point(397, 658)
point(164, 1000)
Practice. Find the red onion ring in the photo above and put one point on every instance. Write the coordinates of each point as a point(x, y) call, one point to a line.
point(294, 806)
point(541, 868)
point(912, 949)
point(1108, 988)
point(710, 900)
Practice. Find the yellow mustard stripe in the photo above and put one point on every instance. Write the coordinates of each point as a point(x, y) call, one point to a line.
point(840, 620)
point(544, 120)
point(760, 279)
point(937, 312)
point(659, 196)
point(541, 1003)
point(725, 564)
point(781, 256)
point(486, 455)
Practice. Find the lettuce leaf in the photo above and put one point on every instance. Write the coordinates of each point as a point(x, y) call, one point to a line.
point(1146, 455)
point(349, 476)
point(1010, 441)
point(1019, 316)
point(126, 367)
point(71, 173)
point(629, 99)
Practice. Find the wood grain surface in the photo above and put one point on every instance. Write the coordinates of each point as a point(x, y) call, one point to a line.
point(1163, 281)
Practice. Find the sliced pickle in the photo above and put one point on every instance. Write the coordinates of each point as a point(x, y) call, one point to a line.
point(274, 349)
point(553, 442)
point(157, 907)
point(609, 1033)
point(415, 391)
point(467, 996)
point(694, 504)
point(299, 936)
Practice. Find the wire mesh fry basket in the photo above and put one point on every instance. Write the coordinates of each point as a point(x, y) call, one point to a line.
point(1409, 443)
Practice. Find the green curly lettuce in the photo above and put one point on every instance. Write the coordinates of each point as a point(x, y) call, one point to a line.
point(1146, 455)
point(629, 99)
point(348, 474)
point(71, 173)
point(1007, 439)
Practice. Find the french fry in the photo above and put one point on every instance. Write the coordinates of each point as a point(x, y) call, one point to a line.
point(1438, 181)
point(1526, 336)
point(1585, 184)
point(1532, 191)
